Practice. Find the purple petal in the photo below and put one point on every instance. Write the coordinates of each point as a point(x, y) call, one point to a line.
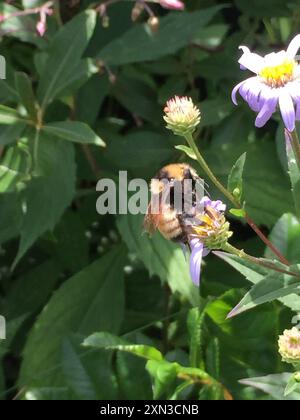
point(287, 109)
point(235, 91)
point(293, 47)
point(254, 97)
point(298, 112)
point(196, 260)
point(218, 205)
point(251, 61)
point(264, 115)
point(269, 101)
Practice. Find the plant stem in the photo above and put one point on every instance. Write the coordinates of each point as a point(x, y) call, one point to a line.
point(191, 142)
point(242, 254)
point(209, 172)
point(36, 148)
point(295, 145)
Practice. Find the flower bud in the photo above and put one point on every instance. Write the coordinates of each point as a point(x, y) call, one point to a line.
point(41, 28)
point(289, 346)
point(172, 4)
point(181, 115)
point(153, 22)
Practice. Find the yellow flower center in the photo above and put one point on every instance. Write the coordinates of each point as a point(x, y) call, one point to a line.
point(277, 76)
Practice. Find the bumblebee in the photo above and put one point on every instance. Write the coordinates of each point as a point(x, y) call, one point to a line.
point(168, 220)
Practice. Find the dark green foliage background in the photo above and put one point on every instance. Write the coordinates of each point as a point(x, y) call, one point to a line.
point(67, 272)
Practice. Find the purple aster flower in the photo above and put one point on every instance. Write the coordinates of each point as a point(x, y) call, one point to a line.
point(276, 83)
point(209, 230)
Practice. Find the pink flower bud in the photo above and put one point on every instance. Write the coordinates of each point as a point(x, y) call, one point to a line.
point(41, 28)
point(172, 4)
point(2, 18)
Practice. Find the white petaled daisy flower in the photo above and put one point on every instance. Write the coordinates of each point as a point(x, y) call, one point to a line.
point(277, 83)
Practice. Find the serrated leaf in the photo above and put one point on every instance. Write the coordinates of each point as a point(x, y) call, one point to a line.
point(187, 150)
point(65, 52)
point(47, 196)
point(73, 131)
point(91, 300)
point(108, 341)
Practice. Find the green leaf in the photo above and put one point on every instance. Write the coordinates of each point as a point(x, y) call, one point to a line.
point(274, 286)
point(266, 186)
point(160, 256)
point(65, 52)
point(11, 133)
point(74, 131)
point(110, 342)
point(47, 196)
point(187, 150)
point(136, 151)
point(294, 173)
point(31, 290)
point(270, 8)
point(285, 235)
point(92, 300)
point(238, 212)
point(14, 168)
point(164, 374)
point(292, 385)
point(10, 116)
point(76, 373)
point(273, 385)
point(140, 44)
point(70, 246)
point(195, 326)
point(70, 83)
point(90, 98)
point(137, 97)
point(134, 381)
point(10, 216)
point(235, 179)
point(255, 274)
point(27, 96)
point(7, 92)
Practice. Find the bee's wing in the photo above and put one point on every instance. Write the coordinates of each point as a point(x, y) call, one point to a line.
point(150, 221)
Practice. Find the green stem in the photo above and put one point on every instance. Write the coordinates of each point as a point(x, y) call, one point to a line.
point(242, 254)
point(295, 145)
point(36, 148)
point(191, 142)
point(208, 171)
point(57, 13)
